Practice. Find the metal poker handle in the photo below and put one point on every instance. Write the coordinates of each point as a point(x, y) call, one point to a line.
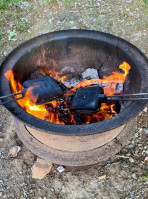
point(11, 95)
point(128, 99)
point(132, 97)
point(11, 101)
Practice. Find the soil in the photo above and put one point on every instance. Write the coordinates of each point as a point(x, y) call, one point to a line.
point(124, 176)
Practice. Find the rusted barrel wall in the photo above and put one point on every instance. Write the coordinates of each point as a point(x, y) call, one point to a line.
point(76, 150)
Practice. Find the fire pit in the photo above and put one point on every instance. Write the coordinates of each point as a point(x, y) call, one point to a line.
point(71, 52)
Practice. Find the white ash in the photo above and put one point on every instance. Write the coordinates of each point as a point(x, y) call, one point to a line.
point(67, 69)
point(13, 151)
point(60, 169)
point(119, 88)
point(90, 73)
point(71, 83)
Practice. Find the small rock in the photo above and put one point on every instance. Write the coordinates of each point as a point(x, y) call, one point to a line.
point(1, 194)
point(13, 151)
point(1, 139)
point(90, 73)
point(140, 130)
point(140, 113)
point(136, 134)
point(131, 160)
point(43, 32)
point(11, 195)
point(60, 169)
point(25, 4)
point(41, 168)
point(102, 177)
point(146, 159)
point(145, 130)
point(74, 27)
point(134, 176)
point(52, 189)
point(130, 146)
point(124, 164)
point(145, 109)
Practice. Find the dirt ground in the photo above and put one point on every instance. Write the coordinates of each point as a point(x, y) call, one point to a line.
point(127, 172)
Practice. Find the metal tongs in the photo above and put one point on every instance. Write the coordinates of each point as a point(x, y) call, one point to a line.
point(11, 95)
point(47, 89)
point(128, 97)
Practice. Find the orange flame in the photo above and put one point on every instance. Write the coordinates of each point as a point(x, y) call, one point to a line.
point(52, 111)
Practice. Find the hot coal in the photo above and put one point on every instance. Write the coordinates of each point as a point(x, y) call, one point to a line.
point(36, 74)
point(70, 117)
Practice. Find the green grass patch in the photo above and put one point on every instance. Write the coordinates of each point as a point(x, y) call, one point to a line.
point(145, 2)
point(1, 35)
point(49, 1)
point(22, 25)
point(52, 1)
point(5, 4)
point(66, 1)
point(6, 13)
point(145, 178)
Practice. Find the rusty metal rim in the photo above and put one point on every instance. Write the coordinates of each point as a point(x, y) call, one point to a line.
point(77, 158)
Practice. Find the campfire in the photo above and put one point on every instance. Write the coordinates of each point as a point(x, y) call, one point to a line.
point(60, 111)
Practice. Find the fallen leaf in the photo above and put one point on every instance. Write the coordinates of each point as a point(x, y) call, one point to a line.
point(12, 35)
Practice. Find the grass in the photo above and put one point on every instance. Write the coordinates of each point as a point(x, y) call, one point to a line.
point(145, 178)
point(6, 13)
point(22, 25)
point(145, 2)
point(1, 35)
point(5, 4)
point(67, 1)
point(54, 1)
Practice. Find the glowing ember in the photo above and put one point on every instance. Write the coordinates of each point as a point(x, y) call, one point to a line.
point(60, 112)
